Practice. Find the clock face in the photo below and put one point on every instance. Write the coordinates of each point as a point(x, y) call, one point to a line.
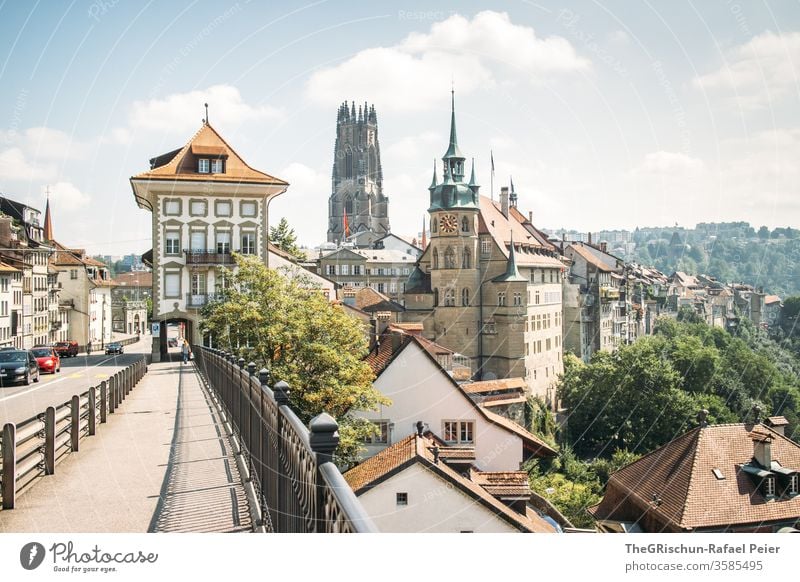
point(448, 223)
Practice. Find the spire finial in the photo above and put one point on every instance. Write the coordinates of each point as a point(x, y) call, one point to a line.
point(452, 149)
point(206, 106)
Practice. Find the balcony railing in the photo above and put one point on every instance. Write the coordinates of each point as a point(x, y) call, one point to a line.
point(208, 258)
point(196, 300)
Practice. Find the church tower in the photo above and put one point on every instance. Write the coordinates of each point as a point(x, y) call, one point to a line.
point(454, 273)
point(357, 208)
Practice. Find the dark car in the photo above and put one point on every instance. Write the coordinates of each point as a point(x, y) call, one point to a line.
point(18, 366)
point(114, 348)
point(47, 358)
point(67, 349)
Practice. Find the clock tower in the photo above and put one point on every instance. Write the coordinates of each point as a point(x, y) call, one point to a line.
point(453, 252)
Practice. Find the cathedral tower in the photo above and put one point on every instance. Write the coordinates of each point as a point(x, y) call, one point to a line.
point(357, 208)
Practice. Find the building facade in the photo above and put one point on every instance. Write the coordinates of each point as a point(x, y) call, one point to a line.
point(358, 210)
point(206, 203)
point(488, 285)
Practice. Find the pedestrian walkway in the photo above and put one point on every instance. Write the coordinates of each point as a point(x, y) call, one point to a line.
point(162, 463)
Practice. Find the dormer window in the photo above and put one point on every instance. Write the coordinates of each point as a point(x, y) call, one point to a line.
point(203, 165)
point(794, 484)
point(769, 487)
point(217, 167)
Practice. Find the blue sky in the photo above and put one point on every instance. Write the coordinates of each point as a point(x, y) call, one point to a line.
point(607, 114)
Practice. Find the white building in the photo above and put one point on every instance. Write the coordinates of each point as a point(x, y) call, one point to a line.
point(206, 204)
point(10, 302)
point(421, 391)
point(409, 487)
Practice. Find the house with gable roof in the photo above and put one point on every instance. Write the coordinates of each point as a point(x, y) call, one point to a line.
point(411, 372)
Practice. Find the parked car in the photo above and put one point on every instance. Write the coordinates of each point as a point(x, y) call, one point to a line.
point(18, 366)
point(67, 349)
point(47, 358)
point(114, 348)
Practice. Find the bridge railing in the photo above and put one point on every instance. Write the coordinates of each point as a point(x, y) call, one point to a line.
point(35, 446)
point(297, 485)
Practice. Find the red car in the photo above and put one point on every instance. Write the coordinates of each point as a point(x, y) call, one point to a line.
point(47, 358)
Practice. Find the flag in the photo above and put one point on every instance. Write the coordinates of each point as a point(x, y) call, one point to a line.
point(346, 226)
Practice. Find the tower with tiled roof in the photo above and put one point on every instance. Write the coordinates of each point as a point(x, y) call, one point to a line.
point(358, 210)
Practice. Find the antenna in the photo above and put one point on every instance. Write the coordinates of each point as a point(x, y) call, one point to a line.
point(47, 192)
point(206, 105)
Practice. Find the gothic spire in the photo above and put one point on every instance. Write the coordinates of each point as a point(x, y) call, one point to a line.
point(512, 272)
point(433, 181)
point(48, 221)
point(424, 235)
point(472, 177)
point(453, 151)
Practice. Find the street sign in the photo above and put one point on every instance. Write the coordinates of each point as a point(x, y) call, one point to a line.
point(155, 328)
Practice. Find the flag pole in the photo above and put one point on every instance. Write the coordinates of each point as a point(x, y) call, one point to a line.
point(491, 177)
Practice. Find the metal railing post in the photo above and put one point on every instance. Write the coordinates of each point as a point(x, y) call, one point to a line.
point(92, 411)
point(9, 465)
point(324, 439)
point(281, 391)
point(75, 422)
point(103, 402)
point(50, 440)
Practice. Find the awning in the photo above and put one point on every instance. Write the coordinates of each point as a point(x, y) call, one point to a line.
point(211, 151)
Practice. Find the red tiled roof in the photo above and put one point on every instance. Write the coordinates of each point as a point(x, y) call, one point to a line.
point(680, 478)
point(416, 449)
point(135, 279)
point(493, 385)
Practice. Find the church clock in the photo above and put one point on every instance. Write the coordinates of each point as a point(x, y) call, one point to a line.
point(448, 224)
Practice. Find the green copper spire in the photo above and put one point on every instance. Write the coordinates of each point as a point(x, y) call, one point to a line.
point(472, 177)
point(452, 150)
point(512, 273)
point(433, 181)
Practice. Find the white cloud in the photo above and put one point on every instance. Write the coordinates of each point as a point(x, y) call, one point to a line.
point(67, 196)
point(619, 37)
point(182, 112)
point(15, 166)
point(53, 144)
point(302, 203)
point(117, 135)
point(669, 163)
point(414, 74)
point(409, 147)
point(759, 72)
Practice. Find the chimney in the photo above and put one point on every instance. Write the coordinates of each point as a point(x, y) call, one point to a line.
point(762, 448)
point(420, 428)
point(397, 341)
point(589, 242)
point(504, 200)
point(530, 216)
point(604, 246)
point(777, 424)
point(373, 333)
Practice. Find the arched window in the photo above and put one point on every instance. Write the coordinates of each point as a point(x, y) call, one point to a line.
point(449, 298)
point(433, 225)
point(466, 259)
point(435, 258)
point(348, 206)
point(435, 297)
point(449, 258)
point(465, 297)
point(465, 224)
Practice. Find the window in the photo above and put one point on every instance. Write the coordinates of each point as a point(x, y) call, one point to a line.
point(248, 209)
point(356, 269)
point(197, 241)
point(4, 284)
point(465, 224)
point(486, 247)
point(197, 208)
point(537, 298)
point(459, 431)
point(517, 299)
point(466, 259)
point(223, 243)
point(217, 167)
point(223, 208)
point(449, 258)
point(393, 287)
point(433, 226)
point(172, 243)
point(435, 258)
point(402, 499)
point(73, 274)
point(198, 283)
point(381, 437)
point(331, 269)
point(380, 288)
point(465, 297)
point(203, 165)
point(501, 298)
point(449, 298)
point(248, 243)
point(172, 285)
point(172, 207)
point(793, 484)
point(769, 487)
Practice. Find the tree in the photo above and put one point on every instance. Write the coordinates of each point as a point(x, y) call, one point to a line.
point(290, 328)
point(763, 233)
point(283, 237)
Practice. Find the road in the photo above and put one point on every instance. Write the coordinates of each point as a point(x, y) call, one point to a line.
point(19, 403)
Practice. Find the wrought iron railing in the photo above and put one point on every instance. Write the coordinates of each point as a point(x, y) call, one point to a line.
point(208, 258)
point(297, 485)
point(32, 448)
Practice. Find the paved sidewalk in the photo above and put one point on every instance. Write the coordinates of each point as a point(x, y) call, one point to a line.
point(162, 463)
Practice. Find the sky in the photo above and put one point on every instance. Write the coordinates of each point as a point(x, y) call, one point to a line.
point(606, 114)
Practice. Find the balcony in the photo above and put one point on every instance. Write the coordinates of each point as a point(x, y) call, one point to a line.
point(198, 300)
point(609, 294)
point(208, 258)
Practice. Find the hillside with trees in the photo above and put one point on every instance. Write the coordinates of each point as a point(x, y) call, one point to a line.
point(732, 252)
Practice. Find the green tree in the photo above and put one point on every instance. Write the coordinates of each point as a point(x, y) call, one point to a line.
point(304, 340)
point(283, 237)
point(763, 233)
